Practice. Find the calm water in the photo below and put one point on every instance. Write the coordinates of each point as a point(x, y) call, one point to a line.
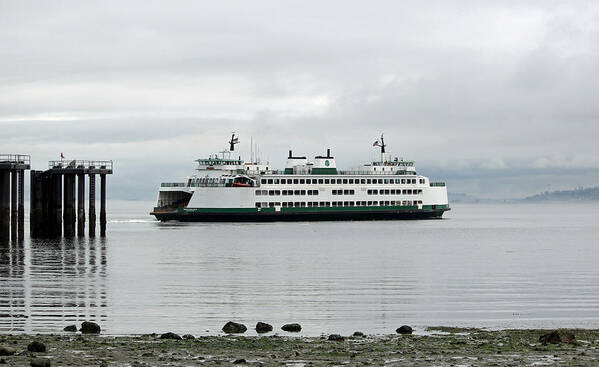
point(498, 266)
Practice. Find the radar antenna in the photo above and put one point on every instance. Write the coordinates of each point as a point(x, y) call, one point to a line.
point(233, 141)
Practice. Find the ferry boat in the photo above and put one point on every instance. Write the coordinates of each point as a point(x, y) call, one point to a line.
point(225, 189)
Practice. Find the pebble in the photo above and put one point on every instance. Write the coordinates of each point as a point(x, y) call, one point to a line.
point(240, 360)
point(70, 328)
point(336, 337)
point(188, 337)
point(358, 334)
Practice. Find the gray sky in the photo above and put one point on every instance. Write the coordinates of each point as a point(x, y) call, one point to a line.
point(499, 99)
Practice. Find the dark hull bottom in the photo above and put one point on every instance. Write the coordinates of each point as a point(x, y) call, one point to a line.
point(303, 216)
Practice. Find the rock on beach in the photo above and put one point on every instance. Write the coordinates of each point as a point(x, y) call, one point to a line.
point(170, 335)
point(404, 329)
point(336, 338)
point(40, 362)
point(292, 328)
point(262, 327)
point(88, 327)
point(557, 337)
point(7, 351)
point(234, 328)
point(70, 328)
point(36, 347)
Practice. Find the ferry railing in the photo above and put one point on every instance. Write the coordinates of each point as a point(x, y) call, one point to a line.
point(172, 184)
point(437, 184)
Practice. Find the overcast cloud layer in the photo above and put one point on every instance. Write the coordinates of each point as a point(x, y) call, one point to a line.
point(500, 99)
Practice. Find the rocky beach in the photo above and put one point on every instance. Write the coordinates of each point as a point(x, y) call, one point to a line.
point(433, 346)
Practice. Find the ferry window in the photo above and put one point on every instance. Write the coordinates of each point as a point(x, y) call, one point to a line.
point(328, 203)
point(309, 192)
point(271, 192)
point(334, 192)
point(322, 203)
point(351, 203)
point(413, 180)
point(271, 205)
point(380, 180)
point(257, 205)
point(314, 192)
point(334, 203)
point(284, 192)
point(375, 168)
point(392, 192)
point(345, 192)
point(369, 181)
point(363, 181)
point(345, 181)
point(283, 181)
point(409, 192)
point(258, 192)
point(351, 181)
point(277, 204)
point(303, 204)
point(263, 181)
point(403, 180)
point(320, 181)
point(352, 192)
point(284, 204)
point(375, 192)
point(386, 181)
point(277, 192)
point(404, 192)
point(326, 181)
point(295, 181)
point(302, 181)
point(296, 192)
point(276, 181)
point(309, 204)
point(369, 192)
point(386, 192)
point(303, 192)
point(369, 203)
point(270, 181)
point(296, 204)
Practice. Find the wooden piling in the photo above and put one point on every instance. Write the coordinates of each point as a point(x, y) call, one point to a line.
point(80, 205)
point(13, 204)
point(92, 205)
point(102, 205)
point(35, 203)
point(69, 205)
point(56, 198)
point(21, 218)
point(4, 205)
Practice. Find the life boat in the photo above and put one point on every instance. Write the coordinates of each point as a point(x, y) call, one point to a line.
point(241, 184)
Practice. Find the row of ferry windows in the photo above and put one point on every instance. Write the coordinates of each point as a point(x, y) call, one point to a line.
point(395, 192)
point(333, 181)
point(285, 192)
point(312, 204)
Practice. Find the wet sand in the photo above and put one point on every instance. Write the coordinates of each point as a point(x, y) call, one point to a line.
point(439, 347)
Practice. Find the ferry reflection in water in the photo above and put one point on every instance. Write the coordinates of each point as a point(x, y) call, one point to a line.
point(48, 284)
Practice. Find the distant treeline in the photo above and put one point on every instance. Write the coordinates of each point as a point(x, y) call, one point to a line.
point(581, 193)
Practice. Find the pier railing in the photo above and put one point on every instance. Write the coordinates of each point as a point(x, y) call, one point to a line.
point(80, 164)
point(22, 159)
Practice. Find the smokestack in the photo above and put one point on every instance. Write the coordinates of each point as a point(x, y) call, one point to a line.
point(329, 153)
point(290, 154)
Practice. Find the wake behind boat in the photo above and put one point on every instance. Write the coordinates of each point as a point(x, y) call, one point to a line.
point(225, 189)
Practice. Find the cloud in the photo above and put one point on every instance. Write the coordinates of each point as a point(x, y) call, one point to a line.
point(463, 88)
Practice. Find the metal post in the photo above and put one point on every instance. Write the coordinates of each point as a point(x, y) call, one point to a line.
point(69, 205)
point(21, 219)
point(4, 204)
point(80, 205)
point(102, 205)
point(57, 206)
point(92, 205)
point(13, 204)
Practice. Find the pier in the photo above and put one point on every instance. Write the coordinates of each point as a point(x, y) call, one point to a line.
point(53, 196)
point(12, 201)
